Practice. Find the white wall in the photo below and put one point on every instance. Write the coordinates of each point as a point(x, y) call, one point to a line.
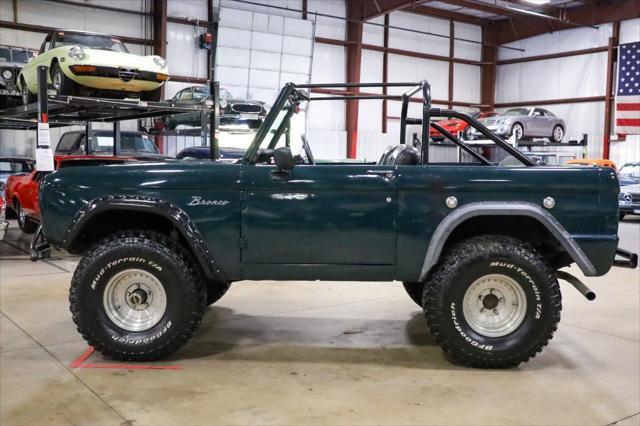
point(576, 76)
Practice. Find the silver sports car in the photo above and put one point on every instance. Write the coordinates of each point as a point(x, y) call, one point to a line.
point(525, 123)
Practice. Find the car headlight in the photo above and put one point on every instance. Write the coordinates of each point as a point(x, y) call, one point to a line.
point(77, 53)
point(223, 103)
point(501, 122)
point(159, 61)
point(7, 74)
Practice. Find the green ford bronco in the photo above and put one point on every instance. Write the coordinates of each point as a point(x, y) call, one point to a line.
point(477, 245)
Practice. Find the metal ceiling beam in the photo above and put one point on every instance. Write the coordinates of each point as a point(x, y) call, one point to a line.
point(494, 9)
point(499, 32)
point(374, 8)
point(445, 14)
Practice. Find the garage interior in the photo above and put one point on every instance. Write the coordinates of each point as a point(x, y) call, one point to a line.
point(333, 352)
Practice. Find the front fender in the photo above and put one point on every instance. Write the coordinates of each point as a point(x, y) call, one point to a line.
point(163, 208)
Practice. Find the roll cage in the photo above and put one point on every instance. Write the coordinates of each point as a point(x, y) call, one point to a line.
point(292, 95)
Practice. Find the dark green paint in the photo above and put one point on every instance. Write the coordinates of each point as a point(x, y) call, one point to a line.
point(338, 222)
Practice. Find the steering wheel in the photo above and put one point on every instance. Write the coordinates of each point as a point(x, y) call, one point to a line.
point(307, 150)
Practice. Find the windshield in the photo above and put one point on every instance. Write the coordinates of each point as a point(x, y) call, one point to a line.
point(5, 54)
point(517, 111)
point(91, 41)
point(225, 94)
point(8, 166)
point(130, 142)
point(630, 170)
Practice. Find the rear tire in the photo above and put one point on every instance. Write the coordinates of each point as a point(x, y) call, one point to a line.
point(493, 302)
point(25, 224)
point(152, 95)
point(414, 290)
point(131, 272)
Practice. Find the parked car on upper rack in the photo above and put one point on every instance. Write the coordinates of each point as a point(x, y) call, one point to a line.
point(525, 123)
point(12, 59)
point(455, 126)
point(86, 63)
point(629, 200)
point(629, 174)
point(22, 191)
point(227, 154)
point(234, 112)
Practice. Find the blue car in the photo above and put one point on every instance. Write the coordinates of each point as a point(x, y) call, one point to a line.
point(227, 154)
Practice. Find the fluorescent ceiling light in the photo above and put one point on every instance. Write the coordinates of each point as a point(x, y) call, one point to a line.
point(538, 1)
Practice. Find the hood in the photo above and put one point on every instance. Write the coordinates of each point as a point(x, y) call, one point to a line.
point(115, 59)
point(631, 189)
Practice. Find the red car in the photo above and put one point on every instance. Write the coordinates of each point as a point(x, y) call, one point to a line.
point(455, 126)
point(22, 190)
point(3, 223)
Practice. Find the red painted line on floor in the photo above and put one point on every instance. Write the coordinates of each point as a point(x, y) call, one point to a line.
point(132, 366)
point(82, 358)
point(80, 363)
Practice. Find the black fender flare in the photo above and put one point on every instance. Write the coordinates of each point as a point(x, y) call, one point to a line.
point(461, 214)
point(166, 209)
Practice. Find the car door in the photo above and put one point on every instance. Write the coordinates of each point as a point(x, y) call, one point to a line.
point(330, 214)
point(538, 123)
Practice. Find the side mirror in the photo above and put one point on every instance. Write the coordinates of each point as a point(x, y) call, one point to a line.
point(283, 158)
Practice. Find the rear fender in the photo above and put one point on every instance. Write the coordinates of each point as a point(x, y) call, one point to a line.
point(449, 223)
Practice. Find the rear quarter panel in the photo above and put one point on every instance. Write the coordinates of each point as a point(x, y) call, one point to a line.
point(586, 204)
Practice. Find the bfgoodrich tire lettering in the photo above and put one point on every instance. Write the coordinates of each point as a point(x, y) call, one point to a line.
point(152, 254)
point(492, 256)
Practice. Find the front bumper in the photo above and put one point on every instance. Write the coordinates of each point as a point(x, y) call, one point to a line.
point(3, 228)
point(113, 78)
point(630, 208)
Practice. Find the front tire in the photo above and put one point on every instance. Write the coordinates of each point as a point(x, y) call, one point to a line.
point(518, 131)
point(493, 302)
point(63, 84)
point(27, 97)
point(25, 224)
point(137, 296)
point(558, 134)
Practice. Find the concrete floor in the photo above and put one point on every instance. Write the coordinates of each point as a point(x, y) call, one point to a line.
point(309, 353)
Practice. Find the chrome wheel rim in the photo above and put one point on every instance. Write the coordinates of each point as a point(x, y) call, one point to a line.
point(134, 300)
point(518, 131)
point(558, 134)
point(494, 305)
point(57, 80)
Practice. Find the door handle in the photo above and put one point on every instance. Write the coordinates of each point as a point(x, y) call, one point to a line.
point(387, 174)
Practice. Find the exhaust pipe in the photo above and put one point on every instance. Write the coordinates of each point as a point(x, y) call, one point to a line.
point(579, 285)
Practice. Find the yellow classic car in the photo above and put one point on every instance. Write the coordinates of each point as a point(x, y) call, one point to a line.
point(92, 64)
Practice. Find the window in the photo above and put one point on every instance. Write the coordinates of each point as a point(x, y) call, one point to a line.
point(538, 112)
point(186, 95)
point(131, 142)
point(67, 142)
point(517, 111)
point(91, 41)
point(630, 170)
point(5, 54)
point(20, 55)
point(200, 93)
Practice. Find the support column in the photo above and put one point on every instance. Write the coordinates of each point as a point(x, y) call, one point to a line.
point(488, 70)
point(354, 62)
point(451, 55)
point(612, 52)
point(385, 73)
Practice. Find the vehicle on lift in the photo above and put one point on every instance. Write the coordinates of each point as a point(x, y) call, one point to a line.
point(92, 64)
point(227, 154)
point(599, 162)
point(12, 59)
point(22, 189)
point(525, 123)
point(456, 126)
point(234, 112)
point(629, 200)
point(629, 174)
point(478, 246)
